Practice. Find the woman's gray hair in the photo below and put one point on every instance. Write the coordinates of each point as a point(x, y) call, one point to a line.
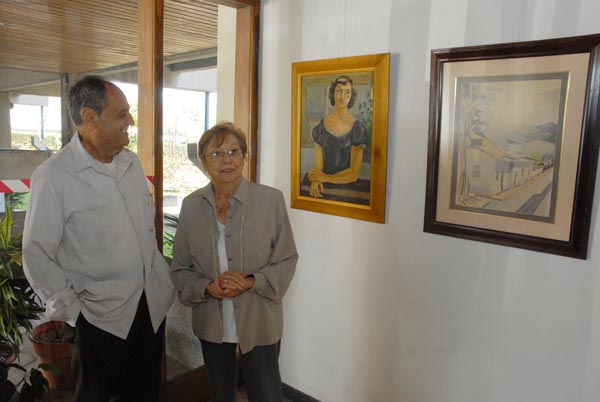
point(90, 91)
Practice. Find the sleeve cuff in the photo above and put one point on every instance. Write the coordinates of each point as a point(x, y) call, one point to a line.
point(61, 312)
point(259, 280)
point(194, 294)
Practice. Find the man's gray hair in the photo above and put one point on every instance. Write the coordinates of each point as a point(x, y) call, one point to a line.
point(90, 91)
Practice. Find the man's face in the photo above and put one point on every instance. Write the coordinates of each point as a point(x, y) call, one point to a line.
point(112, 125)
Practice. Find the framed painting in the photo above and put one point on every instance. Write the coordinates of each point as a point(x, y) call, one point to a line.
point(339, 136)
point(513, 143)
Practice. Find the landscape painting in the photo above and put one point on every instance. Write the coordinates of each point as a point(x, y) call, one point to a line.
point(513, 143)
point(507, 144)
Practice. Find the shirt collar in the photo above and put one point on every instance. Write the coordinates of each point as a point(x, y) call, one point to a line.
point(241, 194)
point(84, 160)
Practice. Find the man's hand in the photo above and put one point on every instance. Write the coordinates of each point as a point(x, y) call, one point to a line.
point(68, 333)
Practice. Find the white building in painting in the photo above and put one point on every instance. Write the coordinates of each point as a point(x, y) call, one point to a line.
point(490, 170)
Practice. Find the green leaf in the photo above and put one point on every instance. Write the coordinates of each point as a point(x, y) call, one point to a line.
point(18, 367)
point(38, 383)
point(49, 367)
point(18, 302)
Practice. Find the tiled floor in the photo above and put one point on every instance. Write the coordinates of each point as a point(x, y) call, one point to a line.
point(27, 359)
point(54, 395)
point(67, 396)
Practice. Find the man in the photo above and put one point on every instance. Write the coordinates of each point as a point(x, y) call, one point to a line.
point(90, 252)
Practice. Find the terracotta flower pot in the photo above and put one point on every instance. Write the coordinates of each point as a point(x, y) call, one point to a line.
point(50, 349)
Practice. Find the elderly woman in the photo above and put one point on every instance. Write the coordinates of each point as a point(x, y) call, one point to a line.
point(339, 140)
point(233, 259)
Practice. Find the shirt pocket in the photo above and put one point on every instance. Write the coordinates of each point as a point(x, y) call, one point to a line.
point(202, 245)
point(91, 229)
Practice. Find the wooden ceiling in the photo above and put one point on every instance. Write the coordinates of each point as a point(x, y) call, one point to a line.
point(76, 36)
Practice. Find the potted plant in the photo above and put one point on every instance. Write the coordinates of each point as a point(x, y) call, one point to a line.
point(18, 306)
point(31, 387)
point(48, 345)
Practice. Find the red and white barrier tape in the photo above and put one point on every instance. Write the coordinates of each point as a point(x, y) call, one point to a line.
point(14, 186)
point(23, 185)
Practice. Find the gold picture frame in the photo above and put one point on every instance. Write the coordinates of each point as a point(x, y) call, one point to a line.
point(513, 143)
point(339, 145)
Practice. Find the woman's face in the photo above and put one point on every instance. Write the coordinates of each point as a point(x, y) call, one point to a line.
point(342, 94)
point(226, 168)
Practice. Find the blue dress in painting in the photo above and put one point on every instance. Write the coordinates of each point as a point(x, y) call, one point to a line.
point(337, 149)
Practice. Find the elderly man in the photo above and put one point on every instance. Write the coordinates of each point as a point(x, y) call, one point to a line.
point(90, 252)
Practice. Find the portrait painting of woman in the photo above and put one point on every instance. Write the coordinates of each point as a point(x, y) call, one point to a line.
point(339, 140)
point(339, 136)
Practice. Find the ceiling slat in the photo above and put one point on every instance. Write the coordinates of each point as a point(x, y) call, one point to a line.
point(73, 36)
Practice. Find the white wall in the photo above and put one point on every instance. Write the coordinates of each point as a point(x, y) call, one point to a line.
point(381, 313)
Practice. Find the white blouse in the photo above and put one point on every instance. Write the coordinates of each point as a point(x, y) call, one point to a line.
point(229, 328)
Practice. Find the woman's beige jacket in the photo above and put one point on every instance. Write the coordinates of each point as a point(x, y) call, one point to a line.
point(258, 240)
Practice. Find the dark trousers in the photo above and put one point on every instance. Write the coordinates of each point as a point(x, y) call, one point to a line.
point(108, 368)
point(260, 367)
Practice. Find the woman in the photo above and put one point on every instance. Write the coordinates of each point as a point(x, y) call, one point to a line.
point(339, 140)
point(234, 257)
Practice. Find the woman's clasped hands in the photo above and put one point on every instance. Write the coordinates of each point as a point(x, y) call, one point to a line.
point(230, 284)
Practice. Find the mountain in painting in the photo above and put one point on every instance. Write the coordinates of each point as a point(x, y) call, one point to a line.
point(535, 142)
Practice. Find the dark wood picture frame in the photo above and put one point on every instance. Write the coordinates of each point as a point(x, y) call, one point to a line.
point(475, 164)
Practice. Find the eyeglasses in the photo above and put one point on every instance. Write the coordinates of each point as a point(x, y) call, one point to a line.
point(234, 153)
